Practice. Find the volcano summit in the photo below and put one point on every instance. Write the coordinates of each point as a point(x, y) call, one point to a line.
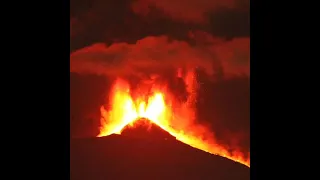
point(146, 129)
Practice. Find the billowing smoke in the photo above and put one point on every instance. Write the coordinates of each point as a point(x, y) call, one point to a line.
point(155, 54)
point(184, 10)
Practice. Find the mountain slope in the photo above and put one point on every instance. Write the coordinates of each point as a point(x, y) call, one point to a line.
point(147, 157)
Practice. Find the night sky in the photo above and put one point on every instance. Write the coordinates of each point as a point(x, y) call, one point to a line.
point(127, 38)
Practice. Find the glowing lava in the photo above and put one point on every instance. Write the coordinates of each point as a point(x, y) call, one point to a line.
point(159, 106)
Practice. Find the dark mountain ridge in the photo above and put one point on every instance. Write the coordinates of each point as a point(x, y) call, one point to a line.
point(147, 157)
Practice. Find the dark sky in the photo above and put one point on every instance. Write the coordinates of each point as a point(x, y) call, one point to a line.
point(110, 37)
point(129, 21)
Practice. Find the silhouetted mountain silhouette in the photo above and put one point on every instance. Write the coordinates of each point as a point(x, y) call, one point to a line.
point(142, 153)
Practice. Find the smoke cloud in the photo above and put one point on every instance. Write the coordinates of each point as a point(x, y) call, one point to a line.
point(185, 10)
point(155, 54)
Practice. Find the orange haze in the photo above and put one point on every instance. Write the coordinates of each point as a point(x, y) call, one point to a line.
point(154, 102)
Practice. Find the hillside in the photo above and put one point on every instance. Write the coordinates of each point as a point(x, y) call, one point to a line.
point(147, 152)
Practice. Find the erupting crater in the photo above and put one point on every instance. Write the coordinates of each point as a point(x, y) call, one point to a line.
point(145, 129)
point(160, 107)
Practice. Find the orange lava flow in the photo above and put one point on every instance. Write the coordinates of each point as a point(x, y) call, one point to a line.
point(160, 107)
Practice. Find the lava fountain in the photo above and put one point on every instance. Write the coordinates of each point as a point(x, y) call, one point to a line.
point(159, 106)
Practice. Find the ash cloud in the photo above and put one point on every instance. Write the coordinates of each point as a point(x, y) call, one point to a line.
point(185, 10)
point(109, 21)
point(155, 54)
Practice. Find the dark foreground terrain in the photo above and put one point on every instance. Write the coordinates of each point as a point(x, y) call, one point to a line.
point(151, 154)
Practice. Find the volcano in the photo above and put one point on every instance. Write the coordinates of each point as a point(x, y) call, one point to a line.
point(160, 107)
point(145, 151)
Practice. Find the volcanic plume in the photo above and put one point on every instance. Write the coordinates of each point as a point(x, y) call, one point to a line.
point(153, 100)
